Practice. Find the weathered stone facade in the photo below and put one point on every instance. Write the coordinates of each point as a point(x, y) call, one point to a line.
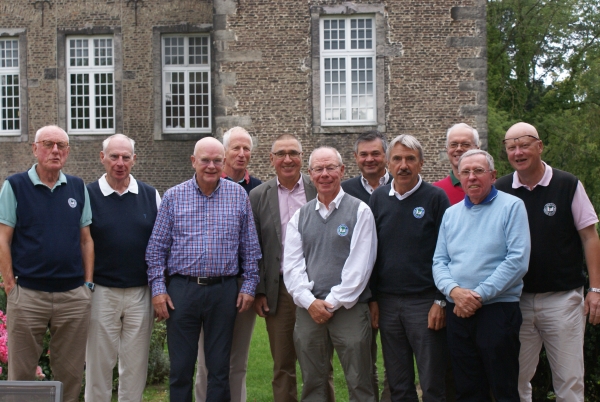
point(431, 74)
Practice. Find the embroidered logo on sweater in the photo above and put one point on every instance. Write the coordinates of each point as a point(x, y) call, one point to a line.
point(419, 212)
point(342, 230)
point(72, 203)
point(550, 209)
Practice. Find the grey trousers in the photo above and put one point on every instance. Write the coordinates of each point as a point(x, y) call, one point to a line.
point(349, 332)
point(404, 332)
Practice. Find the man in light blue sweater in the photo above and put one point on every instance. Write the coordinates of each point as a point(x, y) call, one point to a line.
point(480, 259)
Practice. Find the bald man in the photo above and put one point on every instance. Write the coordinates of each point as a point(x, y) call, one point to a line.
point(203, 226)
point(562, 224)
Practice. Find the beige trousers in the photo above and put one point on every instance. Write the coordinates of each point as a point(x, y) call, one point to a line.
point(556, 320)
point(66, 314)
point(120, 326)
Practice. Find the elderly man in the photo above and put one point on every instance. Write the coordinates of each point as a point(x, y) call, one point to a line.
point(406, 304)
point(459, 139)
point(330, 249)
point(238, 150)
point(47, 263)
point(479, 262)
point(273, 204)
point(203, 226)
point(124, 211)
point(370, 155)
point(562, 223)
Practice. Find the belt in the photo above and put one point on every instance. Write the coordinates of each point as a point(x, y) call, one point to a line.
point(205, 281)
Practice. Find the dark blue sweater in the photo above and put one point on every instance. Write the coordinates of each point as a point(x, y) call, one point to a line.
point(46, 243)
point(121, 228)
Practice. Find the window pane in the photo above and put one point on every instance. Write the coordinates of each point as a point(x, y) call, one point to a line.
point(103, 52)
point(9, 102)
point(198, 50)
point(333, 86)
point(173, 51)
point(104, 101)
point(361, 28)
point(78, 53)
point(9, 53)
point(80, 101)
point(198, 84)
point(362, 88)
point(334, 34)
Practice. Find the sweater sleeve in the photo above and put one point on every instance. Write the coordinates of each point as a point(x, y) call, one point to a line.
point(441, 259)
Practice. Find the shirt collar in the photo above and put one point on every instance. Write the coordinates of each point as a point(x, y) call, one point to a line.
point(455, 181)
point(35, 178)
point(195, 183)
point(490, 197)
point(107, 190)
point(393, 191)
point(246, 177)
point(382, 180)
point(336, 201)
point(299, 184)
point(544, 182)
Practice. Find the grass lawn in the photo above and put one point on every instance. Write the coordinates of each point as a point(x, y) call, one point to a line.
point(260, 373)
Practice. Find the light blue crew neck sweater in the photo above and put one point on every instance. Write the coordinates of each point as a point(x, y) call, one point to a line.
point(484, 247)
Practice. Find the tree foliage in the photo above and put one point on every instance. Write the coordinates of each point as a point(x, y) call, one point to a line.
point(544, 69)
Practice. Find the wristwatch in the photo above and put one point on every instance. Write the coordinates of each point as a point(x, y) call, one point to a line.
point(90, 285)
point(594, 290)
point(441, 303)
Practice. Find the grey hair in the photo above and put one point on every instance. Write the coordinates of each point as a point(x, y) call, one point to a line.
point(408, 141)
point(324, 147)
point(463, 125)
point(52, 126)
point(284, 137)
point(227, 136)
point(371, 136)
point(471, 152)
point(123, 136)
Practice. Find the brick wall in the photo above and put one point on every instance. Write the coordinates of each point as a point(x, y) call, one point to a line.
point(434, 76)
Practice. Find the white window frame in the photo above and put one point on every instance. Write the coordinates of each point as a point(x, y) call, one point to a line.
point(186, 68)
point(91, 70)
point(347, 54)
point(7, 69)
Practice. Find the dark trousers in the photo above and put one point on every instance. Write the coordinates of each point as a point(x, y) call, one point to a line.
point(484, 350)
point(197, 306)
point(404, 332)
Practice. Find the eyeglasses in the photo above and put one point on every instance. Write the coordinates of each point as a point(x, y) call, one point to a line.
point(216, 162)
point(454, 145)
point(61, 145)
point(512, 143)
point(477, 172)
point(321, 169)
point(283, 154)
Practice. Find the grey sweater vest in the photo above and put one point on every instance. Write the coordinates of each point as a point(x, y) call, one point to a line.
point(326, 244)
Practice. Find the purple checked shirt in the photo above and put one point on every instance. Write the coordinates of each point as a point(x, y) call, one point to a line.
point(198, 235)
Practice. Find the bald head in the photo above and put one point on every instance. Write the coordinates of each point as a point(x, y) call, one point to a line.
point(521, 129)
point(209, 143)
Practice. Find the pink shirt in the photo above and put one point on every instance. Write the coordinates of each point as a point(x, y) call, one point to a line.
point(581, 207)
point(289, 202)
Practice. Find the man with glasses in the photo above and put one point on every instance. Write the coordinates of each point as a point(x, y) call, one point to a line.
point(562, 223)
point(480, 259)
point(273, 204)
point(406, 305)
point(203, 226)
point(47, 263)
point(238, 151)
point(459, 139)
point(330, 249)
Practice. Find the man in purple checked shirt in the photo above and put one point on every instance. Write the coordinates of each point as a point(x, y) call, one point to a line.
point(203, 224)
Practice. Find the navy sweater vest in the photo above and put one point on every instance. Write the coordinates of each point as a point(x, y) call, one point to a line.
point(46, 243)
point(556, 262)
point(121, 228)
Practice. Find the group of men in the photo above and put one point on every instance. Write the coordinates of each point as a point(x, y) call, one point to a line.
point(451, 271)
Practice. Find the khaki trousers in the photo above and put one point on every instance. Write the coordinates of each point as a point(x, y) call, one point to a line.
point(556, 320)
point(66, 314)
point(120, 325)
point(240, 347)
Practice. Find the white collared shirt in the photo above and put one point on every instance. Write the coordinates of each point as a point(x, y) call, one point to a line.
point(382, 180)
point(408, 193)
point(357, 268)
point(107, 190)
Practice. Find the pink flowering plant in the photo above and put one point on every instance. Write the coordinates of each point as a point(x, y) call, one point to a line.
point(39, 373)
